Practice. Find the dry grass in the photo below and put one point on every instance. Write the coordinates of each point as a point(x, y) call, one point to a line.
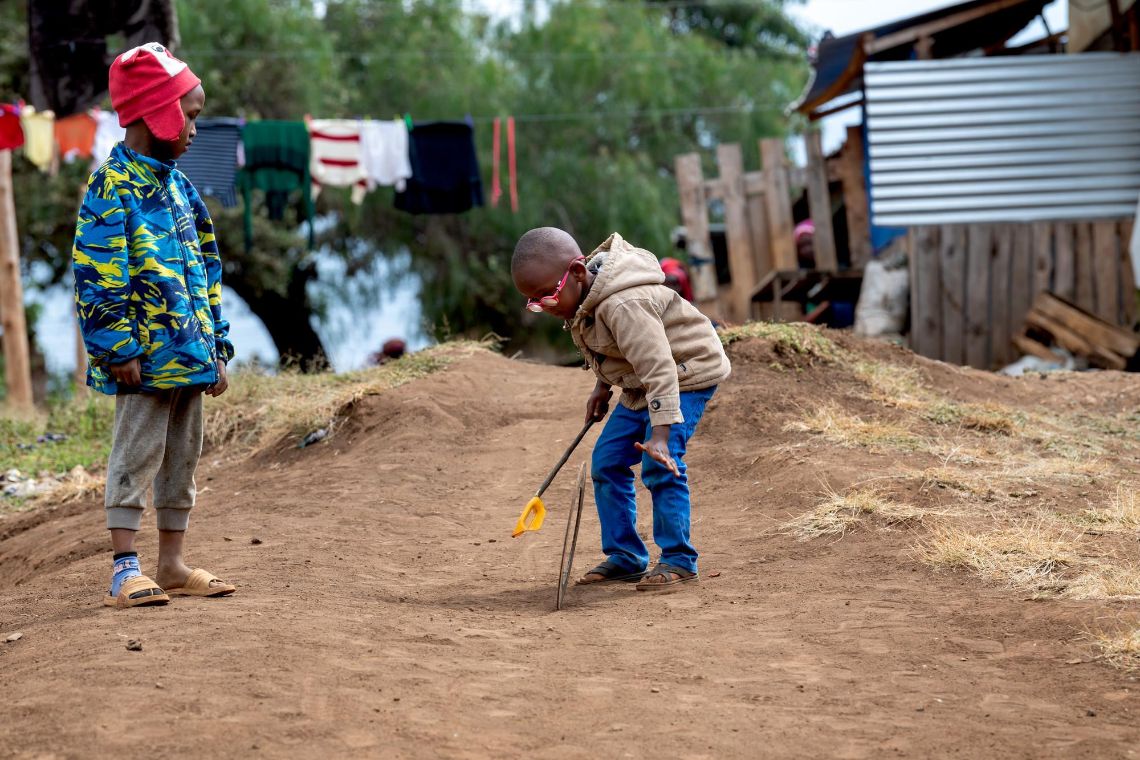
point(838, 427)
point(890, 384)
point(1122, 515)
point(259, 409)
point(1027, 554)
point(984, 418)
point(837, 513)
point(793, 339)
point(1120, 649)
point(1106, 581)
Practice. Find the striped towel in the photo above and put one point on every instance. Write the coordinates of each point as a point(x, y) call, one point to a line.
point(335, 157)
point(211, 163)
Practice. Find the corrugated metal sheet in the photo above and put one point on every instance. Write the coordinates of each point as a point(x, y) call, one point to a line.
point(1004, 139)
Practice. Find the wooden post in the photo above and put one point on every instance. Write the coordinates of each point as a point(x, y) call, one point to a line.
point(1086, 288)
point(730, 160)
point(1021, 268)
point(761, 235)
point(695, 217)
point(17, 365)
point(952, 257)
point(1001, 257)
point(1064, 264)
point(855, 198)
point(979, 248)
point(1106, 271)
point(819, 199)
point(925, 287)
point(778, 199)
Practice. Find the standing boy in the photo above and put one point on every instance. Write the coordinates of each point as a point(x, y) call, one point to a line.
point(643, 337)
point(148, 288)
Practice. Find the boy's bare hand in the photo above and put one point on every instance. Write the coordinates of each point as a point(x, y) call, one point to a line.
point(658, 447)
point(598, 403)
point(223, 383)
point(128, 373)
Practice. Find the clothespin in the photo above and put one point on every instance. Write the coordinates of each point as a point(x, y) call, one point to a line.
point(408, 121)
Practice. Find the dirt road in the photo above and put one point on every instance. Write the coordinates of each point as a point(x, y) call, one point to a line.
point(386, 612)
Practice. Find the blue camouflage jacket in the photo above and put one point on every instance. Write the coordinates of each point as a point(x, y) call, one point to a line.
point(148, 277)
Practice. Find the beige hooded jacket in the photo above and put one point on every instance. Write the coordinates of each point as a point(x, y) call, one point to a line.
point(641, 336)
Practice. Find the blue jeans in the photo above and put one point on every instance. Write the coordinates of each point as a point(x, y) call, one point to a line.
point(611, 465)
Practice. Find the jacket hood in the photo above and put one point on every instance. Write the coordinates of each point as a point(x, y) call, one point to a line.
point(619, 266)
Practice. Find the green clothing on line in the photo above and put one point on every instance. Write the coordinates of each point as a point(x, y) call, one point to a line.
point(277, 163)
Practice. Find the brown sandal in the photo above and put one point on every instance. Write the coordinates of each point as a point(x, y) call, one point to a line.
point(137, 591)
point(202, 583)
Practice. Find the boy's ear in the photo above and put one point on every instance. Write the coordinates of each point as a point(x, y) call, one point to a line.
point(578, 272)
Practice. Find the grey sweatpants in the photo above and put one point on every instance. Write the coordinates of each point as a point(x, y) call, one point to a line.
point(157, 443)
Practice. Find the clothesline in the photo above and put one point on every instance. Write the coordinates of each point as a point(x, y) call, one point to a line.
point(383, 55)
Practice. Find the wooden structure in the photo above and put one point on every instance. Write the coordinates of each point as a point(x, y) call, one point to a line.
point(759, 223)
point(17, 363)
point(972, 285)
point(1055, 321)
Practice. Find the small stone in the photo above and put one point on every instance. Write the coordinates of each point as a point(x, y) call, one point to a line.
point(395, 699)
point(920, 708)
point(226, 538)
point(255, 540)
point(714, 574)
point(134, 645)
point(14, 637)
point(1090, 713)
point(159, 686)
point(492, 540)
point(654, 690)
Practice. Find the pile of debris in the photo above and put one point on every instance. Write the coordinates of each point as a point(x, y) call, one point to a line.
point(1055, 322)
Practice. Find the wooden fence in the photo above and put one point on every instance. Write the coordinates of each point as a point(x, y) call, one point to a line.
point(758, 216)
point(972, 285)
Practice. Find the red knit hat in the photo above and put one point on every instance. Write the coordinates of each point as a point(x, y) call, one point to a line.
point(147, 83)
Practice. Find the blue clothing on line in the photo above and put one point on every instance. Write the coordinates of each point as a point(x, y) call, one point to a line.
point(613, 458)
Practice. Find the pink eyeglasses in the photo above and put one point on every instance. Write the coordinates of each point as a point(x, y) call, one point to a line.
point(538, 304)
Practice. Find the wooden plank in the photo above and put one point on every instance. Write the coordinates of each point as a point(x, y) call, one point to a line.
point(925, 290)
point(1083, 267)
point(1073, 341)
point(1064, 261)
point(761, 235)
point(17, 361)
point(952, 274)
point(777, 197)
point(855, 199)
point(1106, 271)
point(753, 183)
point(695, 217)
point(979, 246)
point(1021, 277)
point(931, 28)
point(1042, 235)
point(1098, 332)
point(714, 189)
point(738, 235)
point(1127, 274)
point(819, 199)
point(1000, 293)
point(1030, 347)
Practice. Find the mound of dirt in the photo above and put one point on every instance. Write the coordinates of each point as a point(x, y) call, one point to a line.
point(386, 612)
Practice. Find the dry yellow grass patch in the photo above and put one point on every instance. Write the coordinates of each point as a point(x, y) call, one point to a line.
point(892, 385)
point(1105, 581)
point(839, 427)
point(837, 513)
point(1122, 515)
point(788, 339)
point(1120, 649)
point(1029, 554)
point(259, 409)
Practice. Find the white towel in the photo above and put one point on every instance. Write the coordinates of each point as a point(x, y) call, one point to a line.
point(384, 145)
point(335, 156)
point(108, 134)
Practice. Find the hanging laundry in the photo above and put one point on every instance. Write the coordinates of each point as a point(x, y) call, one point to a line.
point(384, 153)
point(336, 158)
point(67, 43)
point(511, 164)
point(277, 163)
point(75, 136)
point(445, 172)
point(108, 134)
point(11, 133)
point(39, 136)
point(211, 163)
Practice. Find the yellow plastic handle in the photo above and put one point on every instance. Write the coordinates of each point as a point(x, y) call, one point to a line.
point(535, 511)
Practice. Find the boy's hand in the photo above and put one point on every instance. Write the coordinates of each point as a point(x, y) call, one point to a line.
point(223, 383)
point(128, 373)
point(658, 447)
point(599, 402)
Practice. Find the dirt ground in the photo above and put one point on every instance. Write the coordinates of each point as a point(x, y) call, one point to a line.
point(386, 612)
